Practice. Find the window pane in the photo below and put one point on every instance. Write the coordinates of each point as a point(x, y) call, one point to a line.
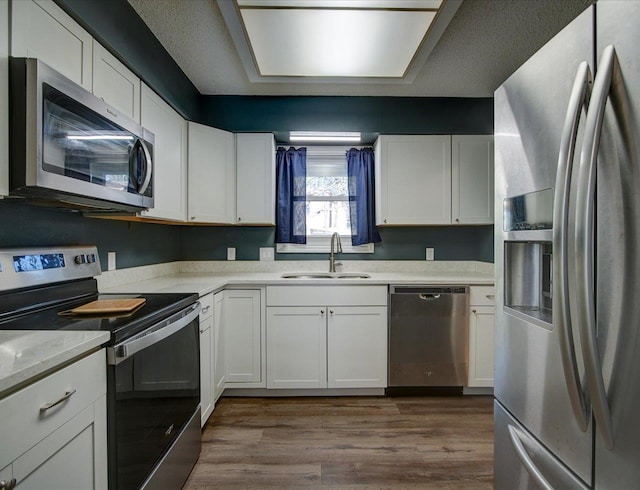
point(327, 186)
point(326, 217)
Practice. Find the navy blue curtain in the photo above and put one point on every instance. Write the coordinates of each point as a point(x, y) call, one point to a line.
point(360, 170)
point(291, 195)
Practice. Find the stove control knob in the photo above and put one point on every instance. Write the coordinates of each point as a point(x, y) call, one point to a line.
point(80, 259)
point(91, 258)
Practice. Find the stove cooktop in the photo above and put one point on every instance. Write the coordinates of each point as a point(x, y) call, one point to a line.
point(156, 307)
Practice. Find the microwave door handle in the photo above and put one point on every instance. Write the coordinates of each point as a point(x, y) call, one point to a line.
point(120, 352)
point(148, 167)
point(578, 100)
point(584, 236)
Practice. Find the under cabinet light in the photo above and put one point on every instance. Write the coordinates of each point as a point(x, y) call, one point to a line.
point(351, 137)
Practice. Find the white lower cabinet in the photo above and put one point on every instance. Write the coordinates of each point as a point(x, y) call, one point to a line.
point(296, 347)
point(219, 367)
point(206, 358)
point(244, 338)
point(357, 347)
point(311, 345)
point(481, 336)
point(64, 446)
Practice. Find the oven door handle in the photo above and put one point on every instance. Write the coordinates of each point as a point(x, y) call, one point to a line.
point(152, 335)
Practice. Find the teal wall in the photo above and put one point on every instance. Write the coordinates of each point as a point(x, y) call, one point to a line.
point(115, 24)
point(398, 243)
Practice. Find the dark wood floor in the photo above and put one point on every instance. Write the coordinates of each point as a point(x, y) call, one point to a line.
point(347, 442)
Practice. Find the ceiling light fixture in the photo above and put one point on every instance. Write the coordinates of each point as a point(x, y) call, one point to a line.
point(325, 136)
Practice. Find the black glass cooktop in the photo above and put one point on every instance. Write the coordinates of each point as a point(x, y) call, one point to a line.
point(50, 315)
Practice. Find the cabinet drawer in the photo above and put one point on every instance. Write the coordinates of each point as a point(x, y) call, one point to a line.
point(327, 295)
point(24, 423)
point(482, 295)
point(206, 303)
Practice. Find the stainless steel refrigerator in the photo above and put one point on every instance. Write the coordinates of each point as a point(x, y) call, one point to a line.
point(567, 155)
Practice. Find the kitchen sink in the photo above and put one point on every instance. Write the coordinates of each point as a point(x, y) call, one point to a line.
point(325, 275)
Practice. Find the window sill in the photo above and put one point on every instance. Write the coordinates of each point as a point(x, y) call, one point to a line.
point(323, 246)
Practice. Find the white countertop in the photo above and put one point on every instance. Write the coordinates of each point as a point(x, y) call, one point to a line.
point(207, 282)
point(27, 354)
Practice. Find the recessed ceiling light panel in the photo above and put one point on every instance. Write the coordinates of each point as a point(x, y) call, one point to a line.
point(334, 43)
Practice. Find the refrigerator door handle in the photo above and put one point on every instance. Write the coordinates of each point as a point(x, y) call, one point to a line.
point(579, 99)
point(532, 469)
point(584, 234)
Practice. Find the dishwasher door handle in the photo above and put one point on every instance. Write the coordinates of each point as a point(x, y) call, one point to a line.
point(429, 297)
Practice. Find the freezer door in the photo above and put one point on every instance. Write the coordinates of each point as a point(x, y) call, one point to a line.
point(530, 110)
point(618, 247)
point(521, 462)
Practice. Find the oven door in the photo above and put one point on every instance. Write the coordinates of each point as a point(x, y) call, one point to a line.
point(153, 392)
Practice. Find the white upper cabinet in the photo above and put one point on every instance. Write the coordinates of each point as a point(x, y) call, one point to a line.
point(256, 178)
point(115, 83)
point(170, 157)
point(212, 175)
point(4, 98)
point(40, 29)
point(472, 179)
point(413, 180)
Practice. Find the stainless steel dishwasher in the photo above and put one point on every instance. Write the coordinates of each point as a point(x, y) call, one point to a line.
point(428, 336)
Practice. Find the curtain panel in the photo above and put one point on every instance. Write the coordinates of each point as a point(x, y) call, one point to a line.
point(291, 192)
point(360, 172)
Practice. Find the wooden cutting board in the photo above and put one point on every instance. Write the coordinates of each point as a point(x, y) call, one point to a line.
point(108, 306)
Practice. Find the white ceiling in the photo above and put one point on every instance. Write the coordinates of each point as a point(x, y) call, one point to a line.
point(483, 44)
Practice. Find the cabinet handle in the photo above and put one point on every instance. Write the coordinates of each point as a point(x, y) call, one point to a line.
point(384, 220)
point(473, 311)
point(239, 218)
point(192, 218)
point(322, 312)
point(491, 296)
point(331, 311)
point(457, 220)
point(205, 309)
point(64, 397)
point(8, 485)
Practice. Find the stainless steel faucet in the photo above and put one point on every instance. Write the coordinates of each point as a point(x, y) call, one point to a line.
point(332, 260)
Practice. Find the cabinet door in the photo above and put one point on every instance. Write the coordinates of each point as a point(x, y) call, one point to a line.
point(212, 180)
point(357, 347)
point(243, 336)
point(481, 338)
point(4, 98)
point(297, 347)
point(115, 83)
point(414, 174)
point(472, 180)
point(73, 456)
point(206, 369)
point(219, 368)
point(256, 178)
point(170, 152)
point(40, 29)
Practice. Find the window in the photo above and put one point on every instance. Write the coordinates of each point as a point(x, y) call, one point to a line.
point(327, 206)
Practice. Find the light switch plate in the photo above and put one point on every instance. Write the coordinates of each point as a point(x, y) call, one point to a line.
point(231, 253)
point(266, 253)
point(430, 253)
point(111, 261)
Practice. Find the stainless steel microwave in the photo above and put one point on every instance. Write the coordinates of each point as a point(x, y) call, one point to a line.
point(70, 148)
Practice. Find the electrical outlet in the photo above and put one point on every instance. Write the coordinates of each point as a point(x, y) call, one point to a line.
point(111, 261)
point(266, 253)
point(430, 253)
point(231, 253)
